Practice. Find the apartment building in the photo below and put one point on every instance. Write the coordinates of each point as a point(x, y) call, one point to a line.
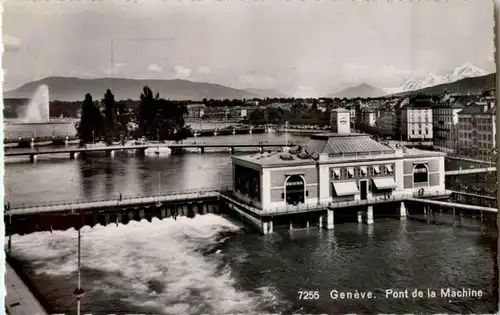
point(445, 125)
point(386, 121)
point(477, 130)
point(416, 120)
point(368, 118)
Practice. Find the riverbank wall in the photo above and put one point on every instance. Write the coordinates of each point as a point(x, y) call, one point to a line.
point(22, 295)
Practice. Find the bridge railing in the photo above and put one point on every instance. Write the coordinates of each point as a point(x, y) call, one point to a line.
point(38, 139)
point(307, 207)
point(177, 194)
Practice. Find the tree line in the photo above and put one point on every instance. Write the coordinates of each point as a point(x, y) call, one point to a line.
point(294, 114)
point(155, 118)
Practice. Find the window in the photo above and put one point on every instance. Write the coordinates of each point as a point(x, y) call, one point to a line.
point(388, 168)
point(420, 174)
point(336, 173)
point(295, 189)
point(363, 170)
point(376, 169)
point(350, 172)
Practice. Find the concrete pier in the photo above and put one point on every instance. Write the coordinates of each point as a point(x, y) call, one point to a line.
point(360, 217)
point(267, 227)
point(402, 211)
point(369, 215)
point(329, 219)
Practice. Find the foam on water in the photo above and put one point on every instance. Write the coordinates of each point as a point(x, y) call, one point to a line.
point(158, 265)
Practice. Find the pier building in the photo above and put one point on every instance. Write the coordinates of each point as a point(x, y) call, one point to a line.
point(340, 169)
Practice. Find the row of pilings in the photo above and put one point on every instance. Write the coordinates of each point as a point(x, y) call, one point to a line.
point(25, 224)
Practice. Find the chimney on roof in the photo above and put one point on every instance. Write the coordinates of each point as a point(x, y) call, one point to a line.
point(340, 121)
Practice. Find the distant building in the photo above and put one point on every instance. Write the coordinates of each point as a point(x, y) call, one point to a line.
point(477, 130)
point(368, 118)
point(416, 120)
point(251, 103)
point(386, 122)
point(445, 125)
point(196, 110)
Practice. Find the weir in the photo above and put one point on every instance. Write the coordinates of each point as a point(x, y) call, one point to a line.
point(28, 219)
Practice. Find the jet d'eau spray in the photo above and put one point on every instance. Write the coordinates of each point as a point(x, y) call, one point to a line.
point(37, 110)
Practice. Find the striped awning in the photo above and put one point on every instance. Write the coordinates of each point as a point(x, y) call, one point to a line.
point(363, 170)
point(384, 183)
point(388, 167)
point(345, 188)
point(376, 169)
point(350, 171)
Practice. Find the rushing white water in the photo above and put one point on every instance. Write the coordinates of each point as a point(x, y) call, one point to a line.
point(37, 111)
point(172, 254)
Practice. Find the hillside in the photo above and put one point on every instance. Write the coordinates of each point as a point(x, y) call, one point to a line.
point(465, 86)
point(363, 90)
point(72, 89)
point(271, 93)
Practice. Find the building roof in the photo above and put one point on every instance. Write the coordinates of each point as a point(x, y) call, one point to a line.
point(340, 144)
point(478, 109)
point(278, 158)
point(414, 152)
point(458, 104)
point(340, 110)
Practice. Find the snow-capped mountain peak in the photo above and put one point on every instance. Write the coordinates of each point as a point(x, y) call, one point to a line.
point(466, 70)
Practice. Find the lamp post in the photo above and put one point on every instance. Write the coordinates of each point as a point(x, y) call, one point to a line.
point(93, 139)
point(220, 179)
point(79, 292)
point(159, 184)
point(286, 135)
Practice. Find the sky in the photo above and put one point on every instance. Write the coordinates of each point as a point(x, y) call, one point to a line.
point(302, 48)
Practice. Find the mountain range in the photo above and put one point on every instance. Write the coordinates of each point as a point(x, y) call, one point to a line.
point(271, 93)
point(466, 70)
point(464, 79)
point(472, 85)
point(74, 89)
point(362, 90)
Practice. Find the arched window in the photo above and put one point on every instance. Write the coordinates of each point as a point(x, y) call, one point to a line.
point(295, 189)
point(420, 174)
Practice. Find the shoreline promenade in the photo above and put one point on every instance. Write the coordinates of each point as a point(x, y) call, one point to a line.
point(19, 300)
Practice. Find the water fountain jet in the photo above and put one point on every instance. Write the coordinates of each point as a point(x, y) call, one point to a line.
point(37, 111)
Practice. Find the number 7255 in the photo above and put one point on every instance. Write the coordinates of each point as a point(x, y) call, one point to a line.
point(308, 295)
